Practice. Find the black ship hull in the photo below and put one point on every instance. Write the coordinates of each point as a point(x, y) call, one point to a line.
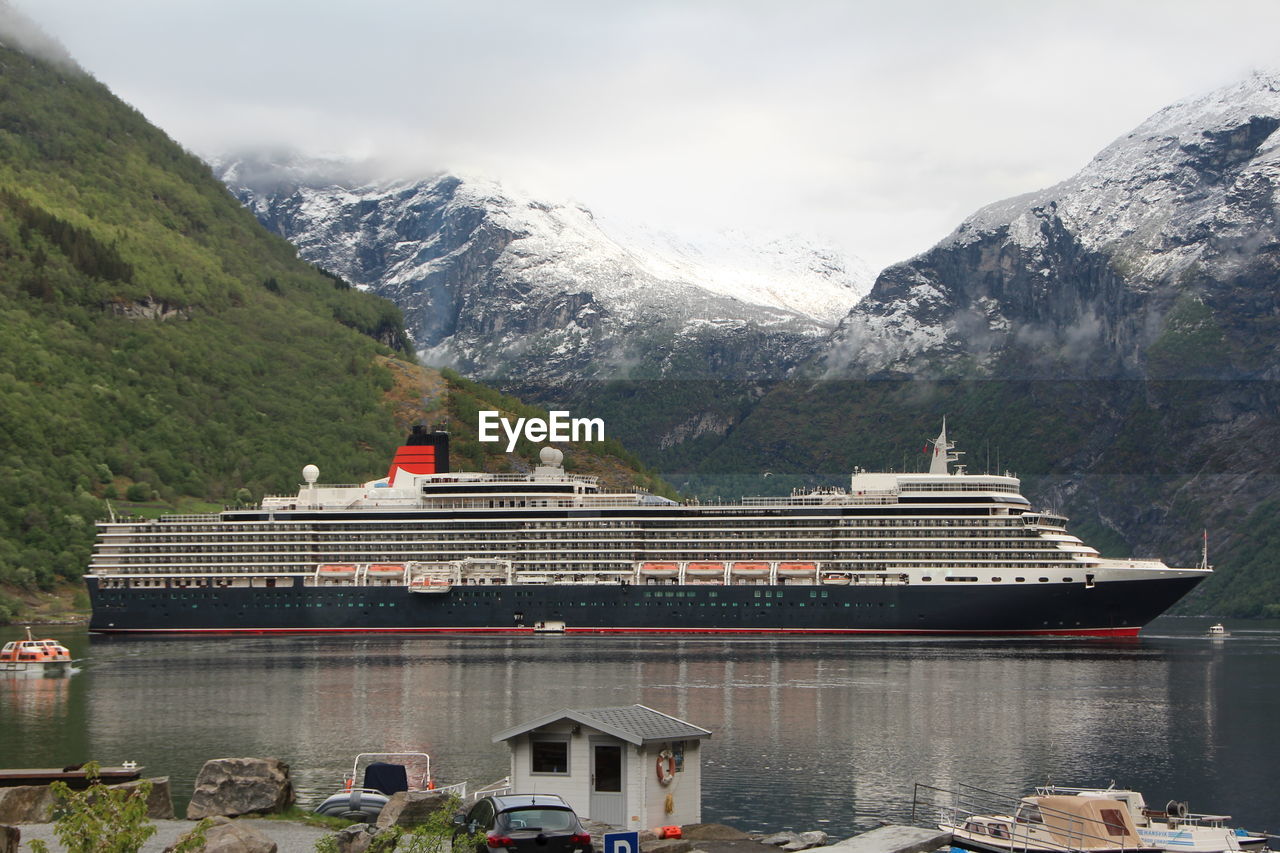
point(1116, 608)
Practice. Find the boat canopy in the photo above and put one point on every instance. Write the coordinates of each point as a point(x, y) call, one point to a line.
point(1083, 823)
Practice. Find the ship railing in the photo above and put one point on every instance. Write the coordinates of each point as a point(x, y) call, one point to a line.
point(882, 499)
point(514, 478)
point(202, 518)
point(1000, 817)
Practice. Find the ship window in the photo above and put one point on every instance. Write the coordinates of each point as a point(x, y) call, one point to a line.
point(996, 580)
point(1066, 580)
point(1044, 580)
point(926, 579)
point(1020, 580)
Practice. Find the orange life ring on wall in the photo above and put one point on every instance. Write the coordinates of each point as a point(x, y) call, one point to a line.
point(666, 767)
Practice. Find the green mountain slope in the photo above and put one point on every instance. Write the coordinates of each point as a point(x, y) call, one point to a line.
point(157, 346)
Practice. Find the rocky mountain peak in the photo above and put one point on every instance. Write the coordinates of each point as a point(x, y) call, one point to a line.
point(1083, 277)
point(500, 283)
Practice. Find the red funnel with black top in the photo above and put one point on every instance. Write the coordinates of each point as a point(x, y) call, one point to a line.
point(422, 453)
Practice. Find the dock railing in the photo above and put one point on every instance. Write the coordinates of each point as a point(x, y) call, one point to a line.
point(997, 817)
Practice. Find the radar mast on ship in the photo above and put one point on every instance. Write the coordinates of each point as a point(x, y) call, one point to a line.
point(943, 452)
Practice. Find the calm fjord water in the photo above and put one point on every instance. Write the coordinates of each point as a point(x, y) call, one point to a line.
point(807, 734)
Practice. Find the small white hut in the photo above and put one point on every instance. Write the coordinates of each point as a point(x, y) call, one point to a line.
point(630, 767)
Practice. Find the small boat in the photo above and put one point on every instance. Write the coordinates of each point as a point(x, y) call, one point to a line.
point(386, 570)
point(650, 571)
point(704, 573)
point(384, 775)
point(335, 571)
point(749, 571)
point(1218, 631)
point(797, 570)
point(35, 657)
point(1175, 827)
point(431, 585)
point(1049, 824)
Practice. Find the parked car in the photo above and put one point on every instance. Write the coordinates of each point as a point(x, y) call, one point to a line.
point(524, 823)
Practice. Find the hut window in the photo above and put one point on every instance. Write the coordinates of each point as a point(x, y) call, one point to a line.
point(549, 756)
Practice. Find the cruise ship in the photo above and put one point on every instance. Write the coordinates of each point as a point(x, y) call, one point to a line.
point(429, 549)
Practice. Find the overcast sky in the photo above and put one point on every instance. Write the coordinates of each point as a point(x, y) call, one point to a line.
point(875, 126)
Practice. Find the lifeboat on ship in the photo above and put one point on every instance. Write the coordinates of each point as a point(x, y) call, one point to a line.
point(704, 572)
point(750, 570)
point(837, 578)
point(35, 657)
point(389, 571)
point(430, 585)
point(336, 571)
point(659, 571)
point(797, 570)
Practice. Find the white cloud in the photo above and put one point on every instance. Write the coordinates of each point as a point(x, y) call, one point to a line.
point(877, 125)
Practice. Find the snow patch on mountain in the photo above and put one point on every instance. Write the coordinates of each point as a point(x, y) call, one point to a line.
point(1090, 267)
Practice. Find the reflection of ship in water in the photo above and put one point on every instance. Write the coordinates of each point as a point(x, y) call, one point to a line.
point(810, 721)
point(32, 695)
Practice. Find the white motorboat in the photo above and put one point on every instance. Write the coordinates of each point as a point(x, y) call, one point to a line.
point(1049, 823)
point(1175, 827)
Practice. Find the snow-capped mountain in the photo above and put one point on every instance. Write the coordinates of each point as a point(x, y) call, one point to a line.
point(1157, 239)
point(525, 291)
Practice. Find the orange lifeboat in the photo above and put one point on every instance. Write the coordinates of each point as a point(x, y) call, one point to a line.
point(336, 571)
point(659, 570)
point(750, 570)
point(430, 585)
point(386, 570)
point(797, 570)
point(37, 657)
point(704, 573)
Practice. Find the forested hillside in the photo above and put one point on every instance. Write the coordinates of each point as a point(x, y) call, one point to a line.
point(158, 347)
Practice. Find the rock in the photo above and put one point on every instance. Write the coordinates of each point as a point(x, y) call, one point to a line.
point(806, 840)
point(26, 804)
point(713, 832)
point(236, 786)
point(779, 839)
point(410, 808)
point(159, 801)
point(357, 838)
point(10, 838)
point(226, 836)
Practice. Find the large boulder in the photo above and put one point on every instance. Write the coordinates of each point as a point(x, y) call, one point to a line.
point(227, 836)
point(236, 786)
point(411, 808)
point(26, 804)
point(159, 801)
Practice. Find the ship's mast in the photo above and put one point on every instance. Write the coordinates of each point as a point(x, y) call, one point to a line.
point(943, 452)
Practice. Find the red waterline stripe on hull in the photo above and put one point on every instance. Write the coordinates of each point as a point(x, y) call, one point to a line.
point(1074, 632)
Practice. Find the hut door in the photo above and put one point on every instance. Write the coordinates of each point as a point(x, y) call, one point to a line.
point(608, 795)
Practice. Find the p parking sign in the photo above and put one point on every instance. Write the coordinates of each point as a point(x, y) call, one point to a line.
point(621, 842)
